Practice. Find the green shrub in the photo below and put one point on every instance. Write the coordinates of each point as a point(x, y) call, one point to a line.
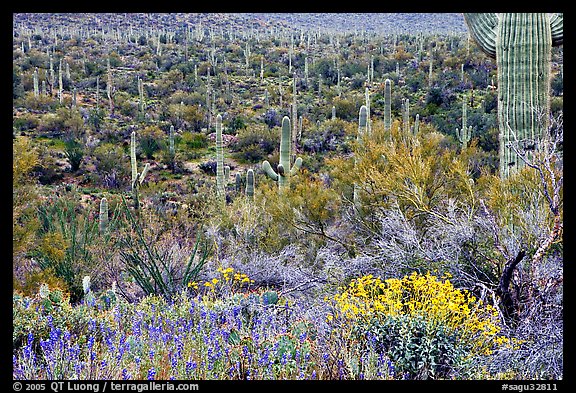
point(194, 140)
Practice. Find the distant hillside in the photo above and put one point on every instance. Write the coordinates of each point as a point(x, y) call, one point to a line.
point(327, 22)
point(375, 22)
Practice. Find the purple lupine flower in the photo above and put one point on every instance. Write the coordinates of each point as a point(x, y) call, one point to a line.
point(340, 368)
point(264, 359)
point(190, 367)
point(125, 374)
point(151, 374)
point(391, 370)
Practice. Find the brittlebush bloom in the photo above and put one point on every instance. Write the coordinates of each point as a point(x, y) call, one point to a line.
point(417, 295)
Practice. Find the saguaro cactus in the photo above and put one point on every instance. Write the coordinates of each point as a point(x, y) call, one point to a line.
point(362, 130)
point(387, 105)
point(416, 126)
point(141, 94)
point(368, 123)
point(284, 169)
point(222, 171)
point(406, 116)
point(250, 184)
point(103, 217)
point(522, 44)
point(35, 77)
point(464, 135)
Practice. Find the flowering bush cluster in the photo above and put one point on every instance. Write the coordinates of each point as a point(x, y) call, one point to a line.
point(244, 335)
point(411, 328)
point(425, 325)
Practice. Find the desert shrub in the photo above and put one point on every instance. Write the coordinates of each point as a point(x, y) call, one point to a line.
point(328, 136)
point(254, 144)
point(25, 122)
point(74, 152)
point(150, 140)
point(194, 140)
point(112, 165)
point(427, 327)
point(64, 238)
point(24, 202)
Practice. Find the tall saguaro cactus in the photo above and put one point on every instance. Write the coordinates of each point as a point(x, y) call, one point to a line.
point(103, 217)
point(362, 130)
point(284, 169)
point(250, 184)
point(465, 133)
point(222, 171)
point(522, 44)
point(387, 105)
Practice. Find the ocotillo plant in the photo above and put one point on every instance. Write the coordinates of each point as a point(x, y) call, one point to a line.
point(387, 105)
point(137, 178)
point(284, 169)
point(103, 217)
point(362, 130)
point(250, 184)
point(522, 44)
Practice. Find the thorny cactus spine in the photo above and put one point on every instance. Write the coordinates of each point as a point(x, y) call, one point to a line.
point(522, 44)
point(284, 169)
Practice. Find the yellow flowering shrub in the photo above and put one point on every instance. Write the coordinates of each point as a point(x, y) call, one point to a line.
point(401, 311)
point(229, 281)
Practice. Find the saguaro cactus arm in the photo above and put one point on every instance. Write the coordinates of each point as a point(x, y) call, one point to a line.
point(269, 171)
point(483, 28)
point(557, 29)
point(296, 167)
